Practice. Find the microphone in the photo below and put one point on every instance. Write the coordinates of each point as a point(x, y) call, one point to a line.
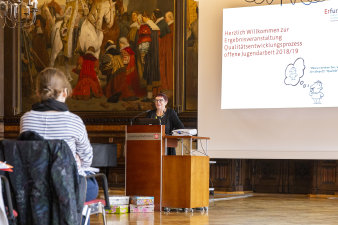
point(139, 114)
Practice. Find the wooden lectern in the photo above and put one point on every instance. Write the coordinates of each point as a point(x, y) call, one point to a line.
point(144, 150)
point(174, 181)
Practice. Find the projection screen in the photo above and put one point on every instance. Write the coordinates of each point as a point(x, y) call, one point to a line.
point(275, 96)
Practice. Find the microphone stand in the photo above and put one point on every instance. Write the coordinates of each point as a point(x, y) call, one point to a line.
point(139, 114)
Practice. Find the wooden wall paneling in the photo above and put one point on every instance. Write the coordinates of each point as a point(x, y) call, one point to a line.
point(314, 188)
point(291, 177)
point(189, 119)
point(302, 176)
point(283, 186)
point(11, 131)
point(241, 174)
point(232, 175)
point(267, 176)
point(237, 174)
point(325, 177)
point(220, 175)
point(253, 174)
point(247, 175)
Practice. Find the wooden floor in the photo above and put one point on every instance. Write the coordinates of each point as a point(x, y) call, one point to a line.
point(252, 209)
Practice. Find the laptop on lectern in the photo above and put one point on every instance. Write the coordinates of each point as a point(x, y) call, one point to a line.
point(146, 121)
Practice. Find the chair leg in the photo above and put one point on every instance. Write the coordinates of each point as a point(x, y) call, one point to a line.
point(86, 213)
point(104, 215)
point(212, 193)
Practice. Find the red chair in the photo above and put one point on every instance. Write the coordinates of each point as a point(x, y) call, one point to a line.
point(11, 214)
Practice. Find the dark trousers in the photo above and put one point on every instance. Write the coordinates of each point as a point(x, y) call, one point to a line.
point(92, 189)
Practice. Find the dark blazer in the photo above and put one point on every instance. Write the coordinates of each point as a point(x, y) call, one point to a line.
point(44, 181)
point(169, 119)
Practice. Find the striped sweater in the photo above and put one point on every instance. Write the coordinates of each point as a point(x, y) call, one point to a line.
point(61, 125)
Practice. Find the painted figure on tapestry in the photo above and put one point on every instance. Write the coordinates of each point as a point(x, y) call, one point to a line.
point(87, 84)
point(132, 79)
point(169, 19)
point(165, 48)
point(148, 46)
point(111, 65)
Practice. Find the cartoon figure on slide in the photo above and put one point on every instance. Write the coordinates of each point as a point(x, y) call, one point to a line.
point(316, 92)
point(294, 72)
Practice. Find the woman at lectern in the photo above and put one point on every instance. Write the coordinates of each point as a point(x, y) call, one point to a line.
point(167, 116)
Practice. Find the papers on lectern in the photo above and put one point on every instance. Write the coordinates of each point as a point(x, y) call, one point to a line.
point(184, 132)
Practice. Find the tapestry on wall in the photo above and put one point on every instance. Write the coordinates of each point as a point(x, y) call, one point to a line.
point(117, 54)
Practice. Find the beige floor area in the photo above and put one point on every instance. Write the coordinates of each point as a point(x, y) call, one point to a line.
point(251, 209)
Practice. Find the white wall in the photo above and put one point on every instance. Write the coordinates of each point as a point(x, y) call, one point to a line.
point(256, 133)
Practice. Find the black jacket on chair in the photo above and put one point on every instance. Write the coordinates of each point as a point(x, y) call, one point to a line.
point(44, 181)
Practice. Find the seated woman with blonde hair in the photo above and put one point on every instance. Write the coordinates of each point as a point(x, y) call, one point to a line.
point(51, 119)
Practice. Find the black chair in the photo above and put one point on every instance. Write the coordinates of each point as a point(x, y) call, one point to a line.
point(104, 155)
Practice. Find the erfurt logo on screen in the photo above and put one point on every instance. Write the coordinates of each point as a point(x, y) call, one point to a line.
point(332, 14)
point(330, 11)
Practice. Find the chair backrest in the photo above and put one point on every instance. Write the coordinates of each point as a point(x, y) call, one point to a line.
point(44, 181)
point(104, 155)
point(4, 218)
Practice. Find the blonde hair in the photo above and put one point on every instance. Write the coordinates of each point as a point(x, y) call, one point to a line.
point(51, 82)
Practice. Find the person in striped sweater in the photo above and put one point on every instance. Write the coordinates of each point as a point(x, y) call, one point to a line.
point(52, 119)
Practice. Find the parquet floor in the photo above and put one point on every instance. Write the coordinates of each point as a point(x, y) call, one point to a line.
point(258, 209)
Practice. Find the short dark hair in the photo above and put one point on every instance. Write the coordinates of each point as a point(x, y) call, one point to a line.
point(164, 96)
point(158, 13)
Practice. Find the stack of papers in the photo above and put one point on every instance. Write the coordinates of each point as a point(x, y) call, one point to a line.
point(5, 167)
point(184, 132)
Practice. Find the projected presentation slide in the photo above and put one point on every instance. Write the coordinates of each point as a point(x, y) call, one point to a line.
point(280, 56)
